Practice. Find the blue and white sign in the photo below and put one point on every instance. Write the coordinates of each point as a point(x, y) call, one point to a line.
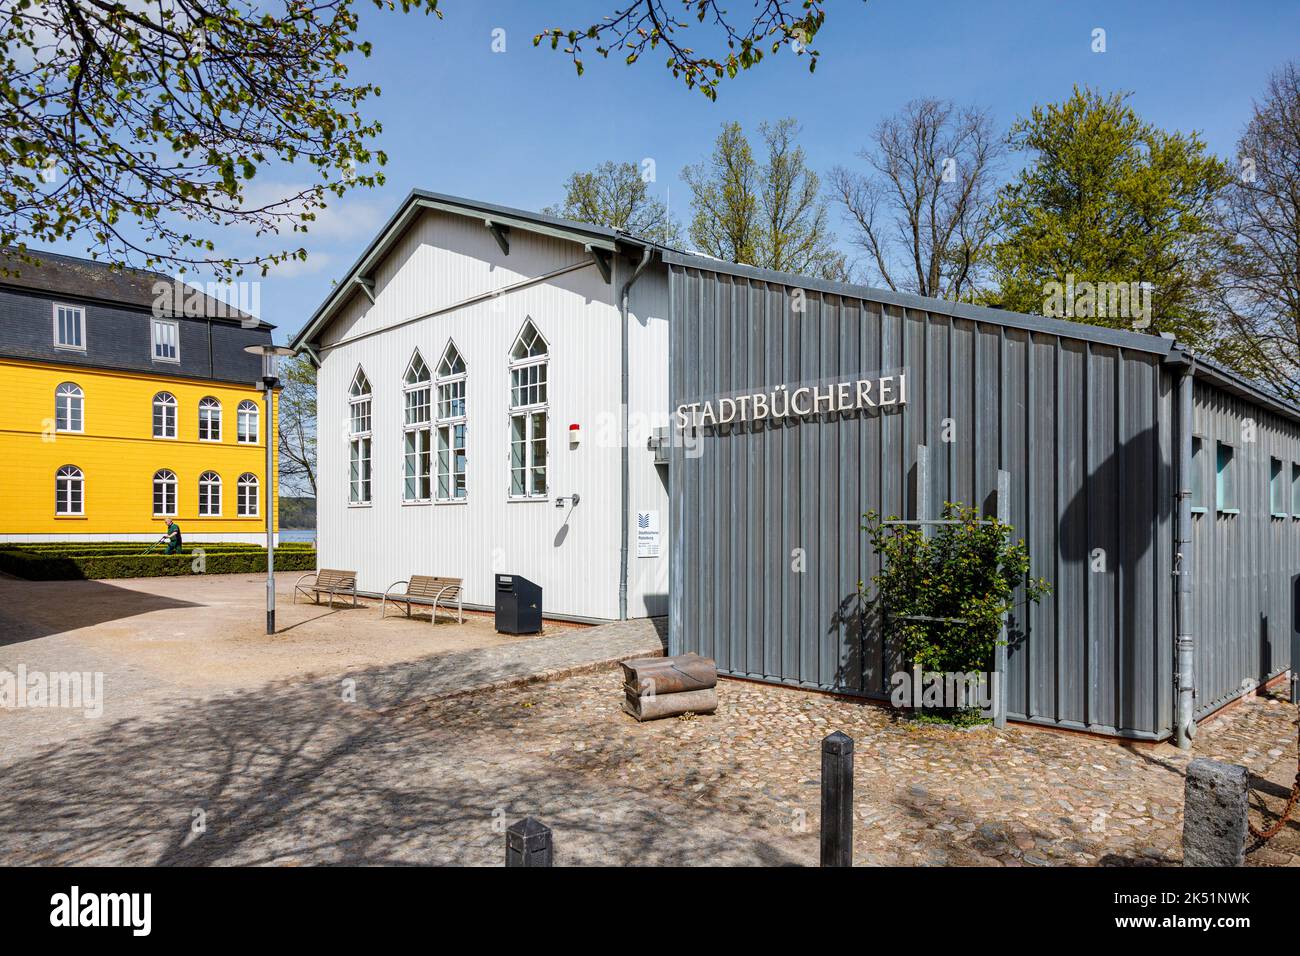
point(647, 534)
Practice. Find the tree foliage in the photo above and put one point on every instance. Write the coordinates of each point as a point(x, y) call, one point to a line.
point(647, 25)
point(297, 427)
point(131, 127)
point(1260, 278)
point(617, 195)
point(767, 213)
point(943, 593)
point(922, 209)
point(1108, 198)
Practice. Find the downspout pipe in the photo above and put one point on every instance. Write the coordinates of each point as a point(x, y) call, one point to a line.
point(625, 481)
point(1185, 683)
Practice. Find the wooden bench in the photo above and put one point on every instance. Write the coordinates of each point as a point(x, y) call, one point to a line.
point(327, 581)
point(425, 589)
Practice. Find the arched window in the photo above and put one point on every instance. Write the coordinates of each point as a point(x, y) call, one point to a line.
point(164, 415)
point(209, 495)
point(69, 406)
point(416, 482)
point(164, 493)
point(246, 423)
point(359, 439)
point(246, 496)
point(69, 491)
point(209, 419)
point(528, 413)
point(451, 425)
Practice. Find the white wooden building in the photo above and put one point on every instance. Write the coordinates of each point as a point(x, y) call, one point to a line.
point(489, 382)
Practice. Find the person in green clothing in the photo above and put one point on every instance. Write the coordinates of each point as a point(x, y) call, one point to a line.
point(173, 537)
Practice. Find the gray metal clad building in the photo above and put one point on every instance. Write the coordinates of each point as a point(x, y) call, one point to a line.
point(1095, 434)
point(1098, 430)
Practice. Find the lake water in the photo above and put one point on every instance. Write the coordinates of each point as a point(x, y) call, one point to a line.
point(298, 534)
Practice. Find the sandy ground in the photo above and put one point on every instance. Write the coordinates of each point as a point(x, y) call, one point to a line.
point(150, 623)
point(162, 640)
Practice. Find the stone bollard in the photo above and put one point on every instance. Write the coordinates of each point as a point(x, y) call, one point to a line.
point(1215, 805)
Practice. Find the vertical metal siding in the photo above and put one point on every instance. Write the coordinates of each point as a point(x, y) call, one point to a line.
point(1243, 562)
point(1084, 428)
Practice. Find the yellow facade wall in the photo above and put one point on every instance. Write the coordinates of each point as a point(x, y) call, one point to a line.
point(118, 454)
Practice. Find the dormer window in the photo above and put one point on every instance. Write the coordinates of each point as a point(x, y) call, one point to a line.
point(166, 340)
point(69, 327)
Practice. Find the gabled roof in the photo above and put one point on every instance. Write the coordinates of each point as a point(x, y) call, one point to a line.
point(603, 241)
point(75, 277)
point(600, 241)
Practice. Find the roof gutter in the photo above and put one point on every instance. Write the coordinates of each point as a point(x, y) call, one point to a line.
point(625, 496)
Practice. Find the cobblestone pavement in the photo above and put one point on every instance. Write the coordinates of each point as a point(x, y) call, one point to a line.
point(292, 774)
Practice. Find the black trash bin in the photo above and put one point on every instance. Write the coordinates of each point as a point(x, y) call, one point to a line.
point(519, 605)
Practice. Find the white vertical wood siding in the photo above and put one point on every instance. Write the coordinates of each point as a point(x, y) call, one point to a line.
point(441, 261)
point(648, 408)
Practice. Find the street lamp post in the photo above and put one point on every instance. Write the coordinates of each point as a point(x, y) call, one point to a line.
point(271, 355)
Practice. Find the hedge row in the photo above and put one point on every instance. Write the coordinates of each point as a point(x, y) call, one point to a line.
point(47, 567)
point(137, 547)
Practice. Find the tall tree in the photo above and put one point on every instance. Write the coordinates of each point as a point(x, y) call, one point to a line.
point(1260, 288)
point(617, 195)
point(647, 25)
point(297, 427)
point(923, 209)
point(1109, 201)
point(765, 213)
point(134, 127)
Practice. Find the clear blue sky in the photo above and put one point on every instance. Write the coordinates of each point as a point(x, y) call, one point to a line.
point(509, 127)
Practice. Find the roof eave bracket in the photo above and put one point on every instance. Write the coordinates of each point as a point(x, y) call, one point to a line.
point(603, 259)
point(367, 286)
point(501, 234)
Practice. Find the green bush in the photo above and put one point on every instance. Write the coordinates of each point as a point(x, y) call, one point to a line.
point(139, 546)
point(944, 592)
point(130, 548)
point(34, 565)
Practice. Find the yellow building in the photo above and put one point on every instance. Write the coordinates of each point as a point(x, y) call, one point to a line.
point(128, 400)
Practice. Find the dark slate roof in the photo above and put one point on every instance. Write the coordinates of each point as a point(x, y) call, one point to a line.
point(91, 279)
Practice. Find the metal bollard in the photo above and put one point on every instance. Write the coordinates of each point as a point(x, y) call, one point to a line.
point(528, 843)
point(837, 800)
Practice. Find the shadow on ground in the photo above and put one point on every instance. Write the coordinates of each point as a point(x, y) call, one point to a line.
point(294, 774)
point(33, 609)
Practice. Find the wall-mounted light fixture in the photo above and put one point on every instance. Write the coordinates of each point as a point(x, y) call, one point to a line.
point(571, 499)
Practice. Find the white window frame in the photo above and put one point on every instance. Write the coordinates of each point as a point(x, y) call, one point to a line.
point(528, 412)
point(167, 478)
point(248, 503)
point(172, 419)
point(417, 432)
point(208, 488)
point(360, 441)
point(451, 386)
point(81, 327)
point(209, 402)
point(76, 397)
point(248, 412)
point(175, 327)
point(69, 476)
